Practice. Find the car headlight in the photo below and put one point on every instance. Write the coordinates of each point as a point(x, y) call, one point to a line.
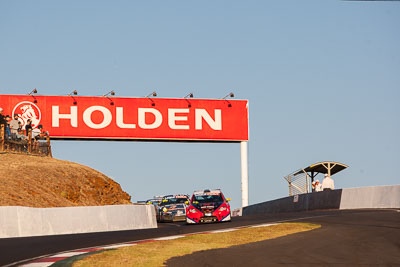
point(164, 209)
point(222, 208)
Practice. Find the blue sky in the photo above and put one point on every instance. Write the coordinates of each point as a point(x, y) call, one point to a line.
point(322, 79)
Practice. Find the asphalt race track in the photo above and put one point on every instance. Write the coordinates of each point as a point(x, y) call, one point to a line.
point(349, 237)
point(18, 250)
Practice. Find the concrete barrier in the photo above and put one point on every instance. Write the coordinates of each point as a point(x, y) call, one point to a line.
point(374, 197)
point(303, 202)
point(351, 198)
point(26, 221)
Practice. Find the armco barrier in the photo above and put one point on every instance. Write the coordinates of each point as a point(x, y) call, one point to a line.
point(26, 221)
point(352, 198)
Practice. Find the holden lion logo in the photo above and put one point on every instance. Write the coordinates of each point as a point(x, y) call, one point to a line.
point(27, 110)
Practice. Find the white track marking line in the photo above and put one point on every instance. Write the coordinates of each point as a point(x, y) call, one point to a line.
point(67, 254)
point(119, 246)
point(224, 231)
point(168, 237)
point(263, 225)
point(37, 264)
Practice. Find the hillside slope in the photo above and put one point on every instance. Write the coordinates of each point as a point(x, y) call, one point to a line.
point(47, 182)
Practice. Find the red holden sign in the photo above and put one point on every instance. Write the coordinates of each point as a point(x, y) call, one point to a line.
point(73, 117)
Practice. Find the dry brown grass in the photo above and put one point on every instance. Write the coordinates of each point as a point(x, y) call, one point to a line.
point(158, 252)
point(47, 182)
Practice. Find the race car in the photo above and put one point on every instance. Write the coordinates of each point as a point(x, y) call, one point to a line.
point(172, 208)
point(155, 202)
point(208, 206)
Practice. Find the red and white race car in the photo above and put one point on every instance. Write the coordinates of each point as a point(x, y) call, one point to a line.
point(208, 206)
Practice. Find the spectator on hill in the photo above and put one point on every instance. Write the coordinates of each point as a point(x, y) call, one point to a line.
point(20, 135)
point(7, 130)
point(28, 127)
point(42, 142)
point(2, 118)
point(14, 125)
point(328, 183)
point(318, 186)
point(37, 137)
point(37, 132)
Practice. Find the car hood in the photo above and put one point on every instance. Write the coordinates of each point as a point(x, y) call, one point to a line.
point(175, 206)
point(207, 207)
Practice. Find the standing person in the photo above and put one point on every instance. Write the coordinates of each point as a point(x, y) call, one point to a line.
point(2, 118)
point(318, 186)
point(28, 127)
point(14, 126)
point(7, 128)
point(36, 133)
point(328, 183)
point(313, 186)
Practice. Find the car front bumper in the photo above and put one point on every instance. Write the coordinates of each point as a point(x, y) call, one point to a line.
point(173, 217)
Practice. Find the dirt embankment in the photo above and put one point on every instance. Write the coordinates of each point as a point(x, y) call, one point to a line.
point(46, 182)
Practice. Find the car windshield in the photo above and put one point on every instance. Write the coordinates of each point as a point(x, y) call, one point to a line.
point(170, 201)
point(207, 198)
point(153, 201)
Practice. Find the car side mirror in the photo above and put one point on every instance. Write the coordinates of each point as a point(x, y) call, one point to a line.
point(228, 199)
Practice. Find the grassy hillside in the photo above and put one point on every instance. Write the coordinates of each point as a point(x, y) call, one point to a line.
point(35, 181)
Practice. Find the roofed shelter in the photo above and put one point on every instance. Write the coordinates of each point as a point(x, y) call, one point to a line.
point(299, 181)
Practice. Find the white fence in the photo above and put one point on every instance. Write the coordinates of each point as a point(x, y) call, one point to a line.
point(26, 221)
